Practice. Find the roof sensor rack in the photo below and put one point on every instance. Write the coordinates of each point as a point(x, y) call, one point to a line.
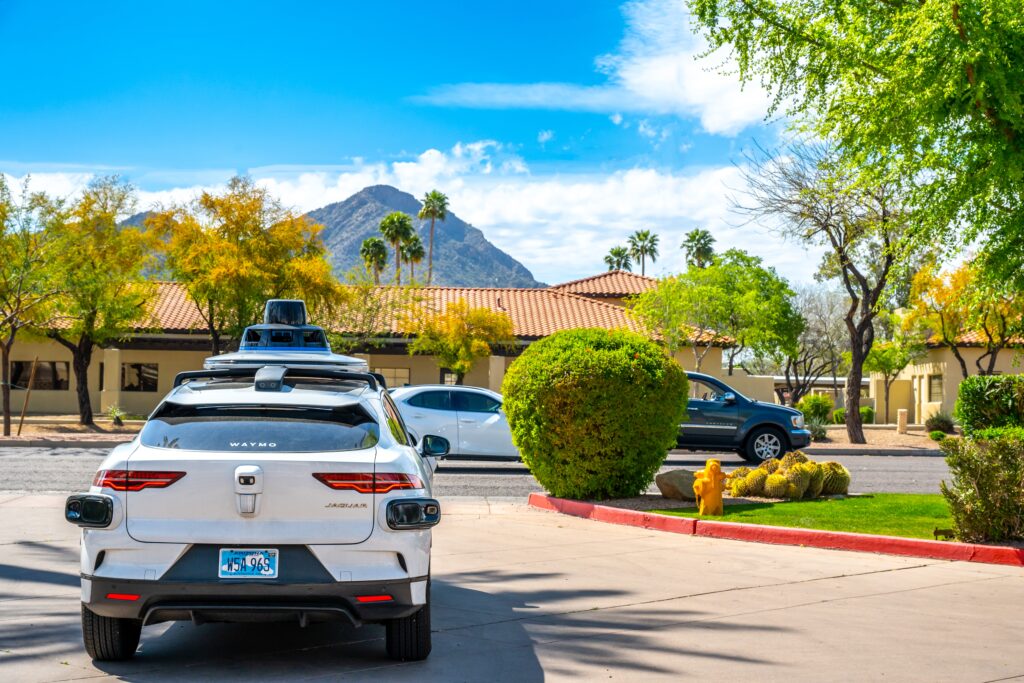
point(272, 377)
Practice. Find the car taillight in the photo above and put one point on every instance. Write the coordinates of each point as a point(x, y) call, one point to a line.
point(368, 482)
point(135, 480)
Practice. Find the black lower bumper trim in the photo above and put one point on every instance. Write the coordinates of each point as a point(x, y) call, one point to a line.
point(159, 601)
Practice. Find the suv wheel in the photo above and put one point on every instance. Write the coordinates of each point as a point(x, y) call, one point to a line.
point(764, 443)
point(408, 638)
point(109, 638)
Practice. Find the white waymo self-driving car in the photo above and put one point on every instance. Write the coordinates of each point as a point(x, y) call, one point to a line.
point(257, 491)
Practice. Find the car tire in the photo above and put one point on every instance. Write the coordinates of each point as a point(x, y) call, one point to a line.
point(109, 639)
point(408, 638)
point(764, 443)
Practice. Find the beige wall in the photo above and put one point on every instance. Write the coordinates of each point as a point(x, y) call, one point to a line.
point(917, 399)
point(487, 373)
point(54, 402)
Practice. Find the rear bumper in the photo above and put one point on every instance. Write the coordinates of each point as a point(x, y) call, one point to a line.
point(157, 601)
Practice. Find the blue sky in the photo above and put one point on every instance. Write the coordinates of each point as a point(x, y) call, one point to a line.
point(557, 128)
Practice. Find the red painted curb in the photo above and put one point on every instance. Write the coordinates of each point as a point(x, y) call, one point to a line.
point(759, 533)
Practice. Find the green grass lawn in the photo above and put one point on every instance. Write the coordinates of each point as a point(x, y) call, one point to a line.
point(892, 514)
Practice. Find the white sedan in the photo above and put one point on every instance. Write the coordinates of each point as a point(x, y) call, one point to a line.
point(470, 418)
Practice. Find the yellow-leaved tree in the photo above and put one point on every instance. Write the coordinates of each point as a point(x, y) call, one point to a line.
point(458, 336)
point(100, 272)
point(234, 250)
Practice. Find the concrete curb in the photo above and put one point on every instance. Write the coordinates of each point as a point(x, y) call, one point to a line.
point(759, 533)
point(888, 452)
point(58, 443)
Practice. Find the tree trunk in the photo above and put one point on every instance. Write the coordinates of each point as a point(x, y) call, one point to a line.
point(398, 264)
point(888, 384)
point(81, 356)
point(854, 425)
point(960, 360)
point(458, 378)
point(430, 254)
point(5, 352)
point(376, 275)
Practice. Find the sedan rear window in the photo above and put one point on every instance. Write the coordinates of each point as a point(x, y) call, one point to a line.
point(260, 428)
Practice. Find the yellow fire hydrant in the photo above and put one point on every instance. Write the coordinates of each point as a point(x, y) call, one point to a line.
point(708, 485)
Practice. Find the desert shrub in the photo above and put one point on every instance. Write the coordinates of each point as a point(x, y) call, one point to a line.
point(593, 412)
point(836, 479)
point(990, 401)
point(817, 430)
point(867, 415)
point(936, 435)
point(755, 482)
point(815, 407)
point(941, 422)
point(986, 496)
point(776, 486)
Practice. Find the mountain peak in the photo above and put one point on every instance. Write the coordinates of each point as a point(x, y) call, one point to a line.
point(462, 255)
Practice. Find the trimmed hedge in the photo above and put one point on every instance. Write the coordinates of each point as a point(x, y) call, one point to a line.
point(815, 407)
point(986, 497)
point(594, 412)
point(867, 415)
point(990, 401)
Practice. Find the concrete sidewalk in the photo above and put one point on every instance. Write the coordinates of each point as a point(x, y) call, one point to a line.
point(523, 595)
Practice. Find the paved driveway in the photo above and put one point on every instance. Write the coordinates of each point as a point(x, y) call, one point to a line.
point(522, 595)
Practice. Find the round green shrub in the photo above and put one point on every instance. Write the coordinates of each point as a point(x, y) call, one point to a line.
point(867, 415)
point(593, 412)
point(986, 495)
point(936, 435)
point(816, 407)
point(939, 422)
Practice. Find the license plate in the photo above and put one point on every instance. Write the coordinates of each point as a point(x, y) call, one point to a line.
point(248, 563)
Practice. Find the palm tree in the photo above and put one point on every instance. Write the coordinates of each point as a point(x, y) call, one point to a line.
point(618, 259)
point(643, 244)
point(375, 256)
point(397, 228)
point(697, 245)
point(413, 253)
point(435, 207)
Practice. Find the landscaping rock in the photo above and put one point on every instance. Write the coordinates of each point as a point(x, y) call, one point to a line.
point(676, 484)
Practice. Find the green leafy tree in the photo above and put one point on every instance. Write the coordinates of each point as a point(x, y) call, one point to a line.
point(397, 229)
point(103, 294)
point(643, 245)
point(459, 336)
point(375, 256)
point(362, 315)
point(618, 258)
point(234, 250)
point(927, 90)
point(684, 310)
point(435, 207)
point(413, 253)
point(26, 285)
point(699, 248)
point(889, 358)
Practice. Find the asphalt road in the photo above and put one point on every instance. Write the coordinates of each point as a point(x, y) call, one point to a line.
point(65, 470)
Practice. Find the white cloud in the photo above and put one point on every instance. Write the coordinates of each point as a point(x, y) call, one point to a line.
point(656, 71)
point(559, 226)
point(616, 118)
point(545, 136)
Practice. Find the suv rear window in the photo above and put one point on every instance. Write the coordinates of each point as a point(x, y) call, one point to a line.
point(260, 429)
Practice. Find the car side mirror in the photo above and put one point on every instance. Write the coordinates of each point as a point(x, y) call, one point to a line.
point(434, 446)
point(729, 397)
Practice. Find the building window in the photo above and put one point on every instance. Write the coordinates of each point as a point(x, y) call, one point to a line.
point(51, 375)
point(395, 377)
point(448, 377)
point(139, 376)
point(935, 388)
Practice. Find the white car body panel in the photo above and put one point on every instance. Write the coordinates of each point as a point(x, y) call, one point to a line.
point(470, 433)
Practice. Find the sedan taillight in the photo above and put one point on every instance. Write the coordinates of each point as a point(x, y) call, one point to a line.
point(368, 482)
point(135, 480)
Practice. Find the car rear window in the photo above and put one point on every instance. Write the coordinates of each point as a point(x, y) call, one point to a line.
point(259, 428)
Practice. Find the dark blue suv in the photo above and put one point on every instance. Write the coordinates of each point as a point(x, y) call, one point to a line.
point(719, 418)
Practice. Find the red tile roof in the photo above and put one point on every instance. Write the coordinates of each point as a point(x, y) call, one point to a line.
point(613, 284)
point(534, 312)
